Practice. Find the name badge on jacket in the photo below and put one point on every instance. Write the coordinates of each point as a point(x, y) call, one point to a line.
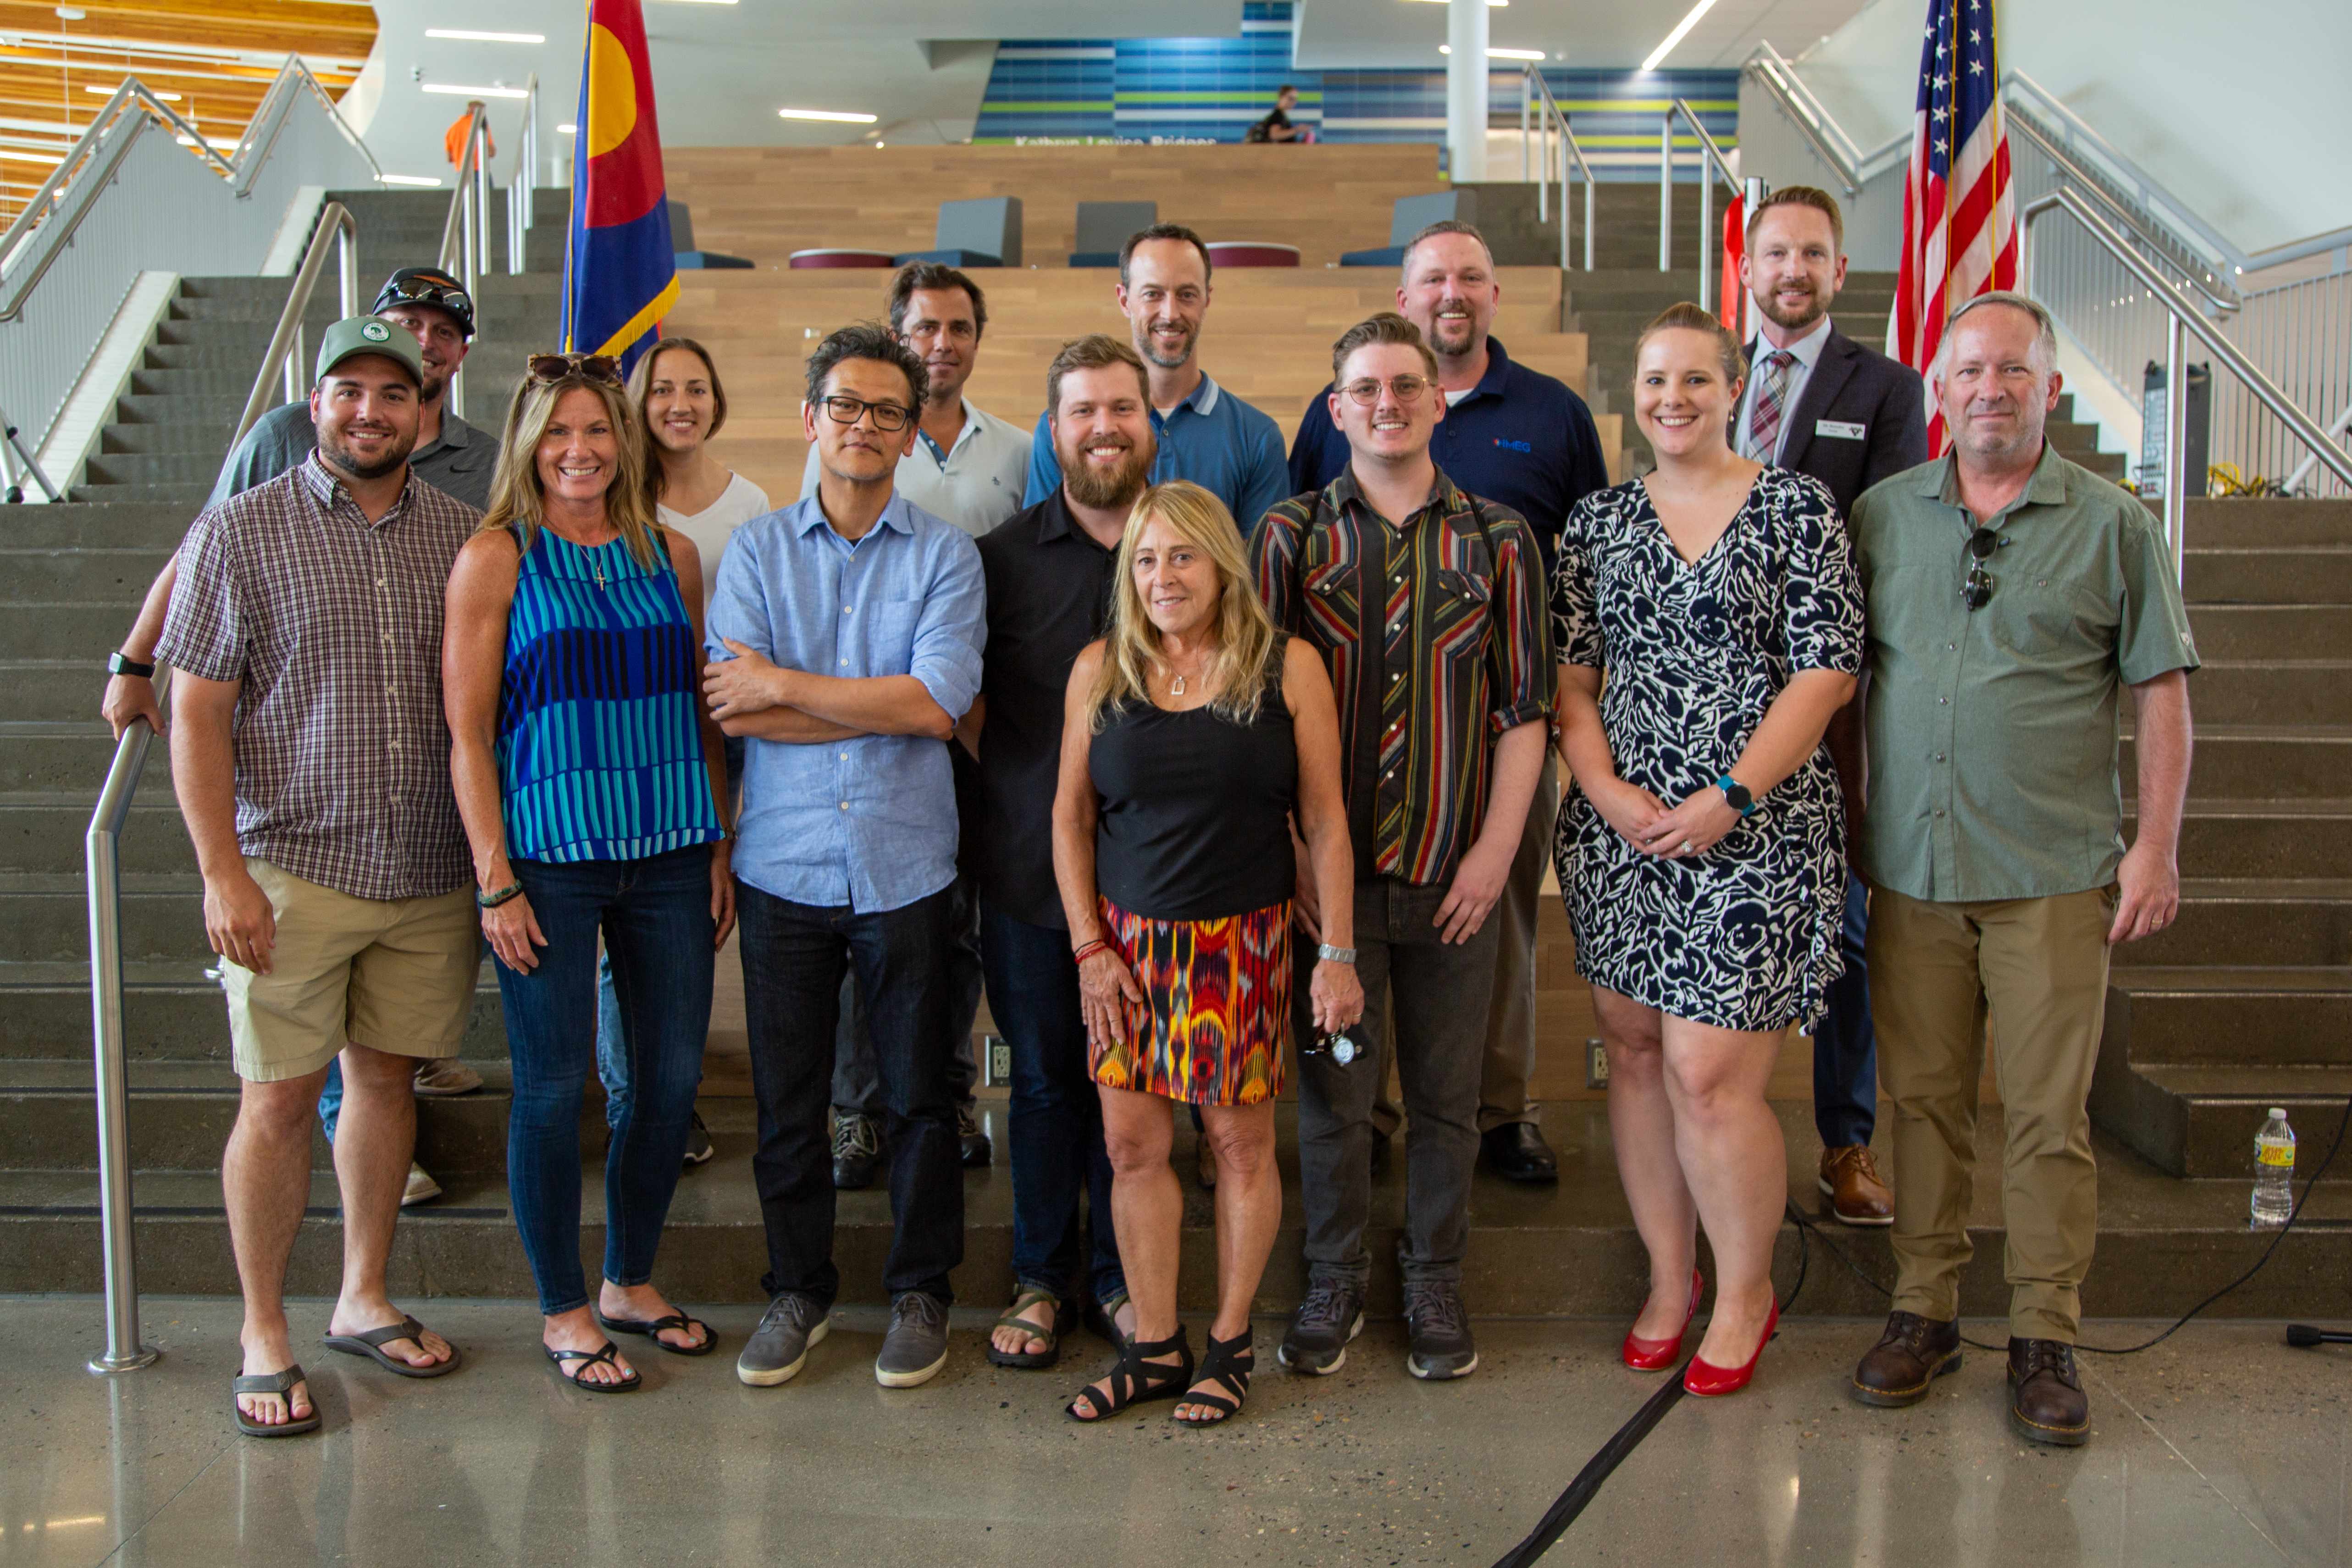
point(1839, 431)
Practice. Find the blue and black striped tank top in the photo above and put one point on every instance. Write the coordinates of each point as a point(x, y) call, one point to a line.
point(599, 753)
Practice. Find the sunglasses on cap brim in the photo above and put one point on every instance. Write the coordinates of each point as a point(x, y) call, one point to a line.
point(426, 291)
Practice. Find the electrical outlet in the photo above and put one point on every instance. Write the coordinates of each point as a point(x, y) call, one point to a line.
point(998, 1057)
point(1596, 1065)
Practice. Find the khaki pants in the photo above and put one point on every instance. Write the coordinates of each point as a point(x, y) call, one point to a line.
point(1510, 1063)
point(2037, 970)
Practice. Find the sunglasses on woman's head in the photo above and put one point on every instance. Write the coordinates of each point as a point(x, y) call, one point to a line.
point(545, 368)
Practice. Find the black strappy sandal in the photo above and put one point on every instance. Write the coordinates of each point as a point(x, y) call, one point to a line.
point(652, 1328)
point(587, 1359)
point(1228, 1364)
point(1137, 1378)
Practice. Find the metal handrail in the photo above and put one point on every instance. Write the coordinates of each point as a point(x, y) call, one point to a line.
point(286, 358)
point(1712, 161)
point(1820, 127)
point(2340, 430)
point(1535, 93)
point(519, 191)
point(102, 860)
point(2186, 318)
point(465, 233)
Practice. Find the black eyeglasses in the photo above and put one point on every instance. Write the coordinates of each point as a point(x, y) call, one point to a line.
point(1338, 1045)
point(1975, 590)
point(590, 367)
point(1407, 388)
point(850, 410)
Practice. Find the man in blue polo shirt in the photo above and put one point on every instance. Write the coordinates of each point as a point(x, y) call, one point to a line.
point(1206, 435)
point(1518, 438)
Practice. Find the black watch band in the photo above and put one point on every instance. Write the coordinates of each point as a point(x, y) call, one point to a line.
point(119, 663)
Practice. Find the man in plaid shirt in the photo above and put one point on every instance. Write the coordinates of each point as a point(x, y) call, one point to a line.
point(312, 763)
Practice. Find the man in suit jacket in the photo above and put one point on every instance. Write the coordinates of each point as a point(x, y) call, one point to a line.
point(1822, 404)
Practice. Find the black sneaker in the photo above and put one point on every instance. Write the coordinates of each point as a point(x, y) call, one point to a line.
point(857, 1150)
point(1317, 1341)
point(1437, 1332)
point(698, 1143)
point(916, 1346)
point(977, 1150)
point(780, 1345)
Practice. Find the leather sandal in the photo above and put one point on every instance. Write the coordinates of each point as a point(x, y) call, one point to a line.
point(1228, 1365)
point(653, 1328)
point(282, 1385)
point(1137, 1378)
point(1045, 1346)
point(611, 1353)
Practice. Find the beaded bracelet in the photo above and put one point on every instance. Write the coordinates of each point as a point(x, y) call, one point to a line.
point(507, 894)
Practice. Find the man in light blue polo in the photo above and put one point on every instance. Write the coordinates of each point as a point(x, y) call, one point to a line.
point(1206, 435)
point(845, 637)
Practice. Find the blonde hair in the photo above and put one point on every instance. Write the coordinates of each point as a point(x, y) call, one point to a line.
point(1240, 671)
point(519, 500)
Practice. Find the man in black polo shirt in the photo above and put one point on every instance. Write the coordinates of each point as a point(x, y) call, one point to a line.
point(1049, 571)
point(1520, 438)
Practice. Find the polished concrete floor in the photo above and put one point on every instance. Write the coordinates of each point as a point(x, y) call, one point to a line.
point(2221, 1446)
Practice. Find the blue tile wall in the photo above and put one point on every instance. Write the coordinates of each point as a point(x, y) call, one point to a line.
point(1209, 89)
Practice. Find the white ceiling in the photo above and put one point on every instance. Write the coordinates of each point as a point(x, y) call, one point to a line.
point(1392, 34)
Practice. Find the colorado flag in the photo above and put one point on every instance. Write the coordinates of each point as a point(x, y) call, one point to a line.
point(620, 273)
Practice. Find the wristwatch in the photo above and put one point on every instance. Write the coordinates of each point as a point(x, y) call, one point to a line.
point(119, 663)
point(1330, 954)
point(1736, 793)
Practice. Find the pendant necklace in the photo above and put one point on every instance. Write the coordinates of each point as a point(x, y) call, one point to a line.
point(596, 564)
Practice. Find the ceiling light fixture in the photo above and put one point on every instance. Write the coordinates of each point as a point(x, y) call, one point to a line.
point(109, 92)
point(567, 131)
point(456, 90)
point(827, 114)
point(1501, 54)
point(1681, 27)
point(1488, 2)
point(30, 157)
point(485, 37)
point(409, 179)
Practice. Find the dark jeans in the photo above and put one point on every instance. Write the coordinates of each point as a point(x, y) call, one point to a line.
point(1440, 996)
point(1057, 1114)
point(794, 959)
point(1845, 1048)
point(654, 916)
point(857, 1079)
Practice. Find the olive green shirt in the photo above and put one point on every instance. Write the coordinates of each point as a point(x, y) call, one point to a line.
point(1992, 733)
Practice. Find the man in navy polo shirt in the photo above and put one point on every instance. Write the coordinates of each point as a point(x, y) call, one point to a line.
point(1206, 435)
point(1522, 439)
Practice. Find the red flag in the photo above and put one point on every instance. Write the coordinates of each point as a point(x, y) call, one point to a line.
point(1960, 217)
point(1734, 250)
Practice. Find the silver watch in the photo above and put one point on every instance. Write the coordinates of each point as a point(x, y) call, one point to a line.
point(1330, 954)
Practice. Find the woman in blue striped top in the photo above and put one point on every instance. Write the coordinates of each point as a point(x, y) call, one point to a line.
point(591, 784)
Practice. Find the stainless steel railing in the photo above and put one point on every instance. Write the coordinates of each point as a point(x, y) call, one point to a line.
point(102, 860)
point(465, 233)
point(1713, 165)
point(2184, 318)
point(1536, 98)
point(519, 190)
point(287, 359)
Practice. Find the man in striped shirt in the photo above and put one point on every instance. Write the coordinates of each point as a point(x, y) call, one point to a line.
point(1427, 604)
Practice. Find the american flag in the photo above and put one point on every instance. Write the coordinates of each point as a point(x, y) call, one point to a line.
point(1960, 216)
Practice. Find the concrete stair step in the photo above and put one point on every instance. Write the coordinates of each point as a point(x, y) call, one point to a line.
point(212, 411)
point(2219, 1109)
point(41, 831)
point(162, 918)
point(70, 757)
point(2282, 693)
point(2231, 920)
point(2269, 574)
point(218, 382)
point(84, 630)
point(2249, 1016)
point(111, 525)
point(181, 1114)
point(2271, 631)
point(52, 691)
point(2245, 763)
point(89, 575)
point(202, 439)
point(2261, 838)
point(2270, 523)
point(201, 466)
point(189, 498)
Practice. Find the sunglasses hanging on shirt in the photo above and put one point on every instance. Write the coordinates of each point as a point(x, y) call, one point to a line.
point(1976, 589)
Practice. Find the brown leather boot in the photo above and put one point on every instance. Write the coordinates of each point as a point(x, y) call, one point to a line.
point(1912, 1353)
point(2046, 1402)
point(1857, 1193)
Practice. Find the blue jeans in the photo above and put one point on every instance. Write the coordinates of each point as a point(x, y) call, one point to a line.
point(795, 956)
point(654, 915)
point(1845, 1048)
point(1057, 1114)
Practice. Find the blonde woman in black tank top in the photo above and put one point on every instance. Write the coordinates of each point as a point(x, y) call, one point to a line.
point(1200, 758)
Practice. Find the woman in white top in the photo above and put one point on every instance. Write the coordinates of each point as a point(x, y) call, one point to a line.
point(677, 389)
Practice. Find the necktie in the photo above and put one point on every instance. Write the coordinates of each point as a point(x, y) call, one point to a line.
point(1764, 419)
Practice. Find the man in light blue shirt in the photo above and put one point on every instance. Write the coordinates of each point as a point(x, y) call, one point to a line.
point(844, 636)
point(1206, 435)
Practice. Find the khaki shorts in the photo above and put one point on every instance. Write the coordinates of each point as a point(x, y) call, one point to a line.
point(393, 974)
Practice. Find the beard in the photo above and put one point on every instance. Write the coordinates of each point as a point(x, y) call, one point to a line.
point(1092, 485)
point(344, 458)
point(1813, 309)
point(1147, 343)
point(1452, 335)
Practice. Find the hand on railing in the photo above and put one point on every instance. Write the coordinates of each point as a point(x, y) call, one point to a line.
point(129, 699)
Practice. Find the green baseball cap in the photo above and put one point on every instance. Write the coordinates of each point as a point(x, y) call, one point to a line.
point(370, 335)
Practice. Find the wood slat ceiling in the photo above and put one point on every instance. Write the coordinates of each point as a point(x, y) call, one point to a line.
point(219, 56)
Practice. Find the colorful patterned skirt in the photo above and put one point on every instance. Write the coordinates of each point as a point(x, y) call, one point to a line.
point(1215, 1011)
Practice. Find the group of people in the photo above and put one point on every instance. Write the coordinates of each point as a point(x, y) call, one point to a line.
point(1218, 772)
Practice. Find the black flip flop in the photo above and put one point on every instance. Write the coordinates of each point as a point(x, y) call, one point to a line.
point(370, 1345)
point(279, 1383)
point(652, 1327)
point(611, 1353)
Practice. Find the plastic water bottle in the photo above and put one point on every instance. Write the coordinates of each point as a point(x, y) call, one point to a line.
point(2273, 1172)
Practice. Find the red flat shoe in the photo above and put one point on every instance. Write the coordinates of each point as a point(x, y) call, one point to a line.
point(1707, 1379)
point(1657, 1355)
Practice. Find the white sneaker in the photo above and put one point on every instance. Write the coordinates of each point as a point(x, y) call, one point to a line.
point(420, 1186)
point(439, 1076)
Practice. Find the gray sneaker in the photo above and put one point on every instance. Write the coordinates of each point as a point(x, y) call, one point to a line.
point(1316, 1340)
point(917, 1344)
point(1437, 1332)
point(778, 1346)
